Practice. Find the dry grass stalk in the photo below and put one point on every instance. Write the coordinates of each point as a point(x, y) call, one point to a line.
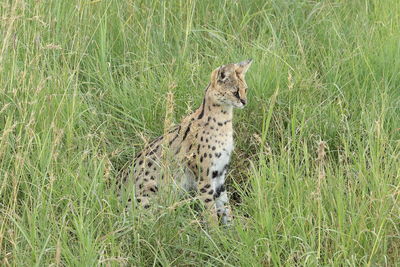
point(321, 159)
point(290, 81)
point(168, 124)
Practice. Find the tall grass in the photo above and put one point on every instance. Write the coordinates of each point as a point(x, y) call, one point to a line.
point(315, 175)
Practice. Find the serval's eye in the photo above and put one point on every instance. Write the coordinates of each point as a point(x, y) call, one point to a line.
point(236, 94)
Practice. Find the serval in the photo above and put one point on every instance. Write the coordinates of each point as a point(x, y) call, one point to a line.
point(201, 145)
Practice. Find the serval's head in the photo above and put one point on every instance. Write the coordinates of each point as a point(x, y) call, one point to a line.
point(228, 86)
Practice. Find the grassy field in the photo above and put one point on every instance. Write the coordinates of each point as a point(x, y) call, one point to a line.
point(315, 177)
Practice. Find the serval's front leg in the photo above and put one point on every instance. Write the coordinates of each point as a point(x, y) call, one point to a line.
point(206, 190)
point(221, 199)
point(213, 193)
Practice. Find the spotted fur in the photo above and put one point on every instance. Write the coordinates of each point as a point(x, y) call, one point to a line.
point(201, 144)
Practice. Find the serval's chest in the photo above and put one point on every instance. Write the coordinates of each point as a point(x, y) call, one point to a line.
point(223, 151)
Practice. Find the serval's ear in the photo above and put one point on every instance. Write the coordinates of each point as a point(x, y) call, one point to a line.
point(223, 73)
point(220, 74)
point(243, 66)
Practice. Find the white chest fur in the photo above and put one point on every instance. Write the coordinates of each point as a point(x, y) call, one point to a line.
point(225, 150)
point(220, 164)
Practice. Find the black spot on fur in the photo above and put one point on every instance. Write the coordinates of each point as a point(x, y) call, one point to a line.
point(219, 191)
point(146, 206)
point(153, 150)
point(177, 128)
point(207, 186)
point(203, 190)
point(220, 124)
point(214, 174)
point(208, 200)
point(194, 166)
point(149, 163)
point(140, 162)
point(211, 192)
point(146, 173)
point(138, 155)
point(186, 132)
point(213, 148)
point(154, 189)
point(202, 109)
point(156, 140)
point(201, 159)
point(221, 188)
point(176, 136)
